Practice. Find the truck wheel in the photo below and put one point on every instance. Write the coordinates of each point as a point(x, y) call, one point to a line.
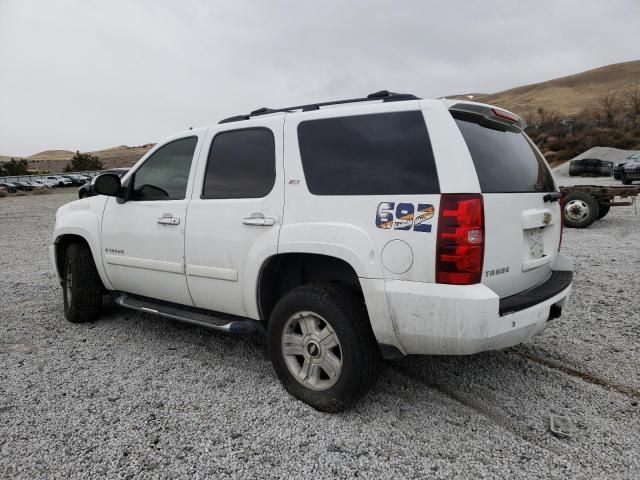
point(580, 210)
point(626, 182)
point(603, 210)
point(81, 286)
point(322, 347)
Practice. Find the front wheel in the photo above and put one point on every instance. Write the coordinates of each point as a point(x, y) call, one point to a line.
point(81, 285)
point(322, 347)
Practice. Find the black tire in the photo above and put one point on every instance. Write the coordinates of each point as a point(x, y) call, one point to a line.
point(82, 288)
point(575, 170)
point(603, 210)
point(579, 210)
point(624, 180)
point(346, 315)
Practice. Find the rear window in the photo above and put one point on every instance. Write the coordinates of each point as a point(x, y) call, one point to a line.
point(378, 154)
point(505, 160)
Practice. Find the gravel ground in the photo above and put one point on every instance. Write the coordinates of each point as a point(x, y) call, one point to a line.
point(135, 396)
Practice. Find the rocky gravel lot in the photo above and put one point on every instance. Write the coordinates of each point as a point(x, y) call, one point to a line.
point(135, 396)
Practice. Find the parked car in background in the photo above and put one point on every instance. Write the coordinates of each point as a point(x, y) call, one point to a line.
point(629, 172)
point(43, 183)
point(76, 179)
point(591, 167)
point(11, 187)
point(24, 186)
point(59, 180)
point(36, 186)
point(85, 190)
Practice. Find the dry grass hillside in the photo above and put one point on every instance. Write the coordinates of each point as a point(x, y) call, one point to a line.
point(567, 95)
point(56, 160)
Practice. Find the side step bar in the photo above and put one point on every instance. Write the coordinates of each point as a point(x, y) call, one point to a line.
point(205, 318)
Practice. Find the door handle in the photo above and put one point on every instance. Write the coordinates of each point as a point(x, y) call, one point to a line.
point(167, 219)
point(259, 221)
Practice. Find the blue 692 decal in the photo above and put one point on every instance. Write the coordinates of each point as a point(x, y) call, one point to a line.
point(404, 216)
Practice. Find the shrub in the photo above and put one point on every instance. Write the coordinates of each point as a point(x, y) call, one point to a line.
point(81, 162)
point(14, 167)
point(608, 122)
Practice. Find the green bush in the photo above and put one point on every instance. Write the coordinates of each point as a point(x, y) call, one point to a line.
point(14, 167)
point(81, 162)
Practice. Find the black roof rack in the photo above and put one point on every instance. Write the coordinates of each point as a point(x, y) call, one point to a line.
point(384, 95)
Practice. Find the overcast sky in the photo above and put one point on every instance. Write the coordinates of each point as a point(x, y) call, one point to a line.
point(94, 74)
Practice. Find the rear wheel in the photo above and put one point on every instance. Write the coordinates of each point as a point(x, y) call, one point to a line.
point(322, 347)
point(580, 210)
point(81, 286)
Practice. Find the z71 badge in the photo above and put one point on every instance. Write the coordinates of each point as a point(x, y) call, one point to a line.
point(404, 216)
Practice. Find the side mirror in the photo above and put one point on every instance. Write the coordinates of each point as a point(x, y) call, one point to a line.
point(107, 184)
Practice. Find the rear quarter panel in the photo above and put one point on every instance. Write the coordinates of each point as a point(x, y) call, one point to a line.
point(346, 226)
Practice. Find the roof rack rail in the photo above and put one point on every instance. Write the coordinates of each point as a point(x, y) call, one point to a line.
point(384, 95)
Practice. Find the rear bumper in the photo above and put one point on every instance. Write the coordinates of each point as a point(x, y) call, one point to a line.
point(557, 283)
point(435, 319)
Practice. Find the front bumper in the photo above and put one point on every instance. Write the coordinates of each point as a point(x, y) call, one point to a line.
point(436, 319)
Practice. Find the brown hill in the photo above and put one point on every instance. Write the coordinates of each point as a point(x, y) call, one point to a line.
point(56, 160)
point(566, 95)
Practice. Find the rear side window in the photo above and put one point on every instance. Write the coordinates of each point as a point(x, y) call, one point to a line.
point(241, 164)
point(378, 154)
point(505, 160)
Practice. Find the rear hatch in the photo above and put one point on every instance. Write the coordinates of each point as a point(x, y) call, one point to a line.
point(521, 207)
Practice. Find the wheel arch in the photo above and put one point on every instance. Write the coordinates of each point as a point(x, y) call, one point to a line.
point(59, 248)
point(283, 272)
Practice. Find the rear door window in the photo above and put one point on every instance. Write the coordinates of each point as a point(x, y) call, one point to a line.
point(241, 164)
point(505, 159)
point(376, 154)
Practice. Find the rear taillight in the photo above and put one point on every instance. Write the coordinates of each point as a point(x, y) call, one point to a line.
point(460, 249)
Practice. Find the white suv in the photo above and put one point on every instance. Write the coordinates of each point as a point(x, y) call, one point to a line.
point(350, 231)
point(59, 181)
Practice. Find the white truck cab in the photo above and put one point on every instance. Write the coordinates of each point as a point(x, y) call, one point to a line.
point(349, 231)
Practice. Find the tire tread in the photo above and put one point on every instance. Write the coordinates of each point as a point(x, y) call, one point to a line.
point(352, 307)
point(87, 286)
